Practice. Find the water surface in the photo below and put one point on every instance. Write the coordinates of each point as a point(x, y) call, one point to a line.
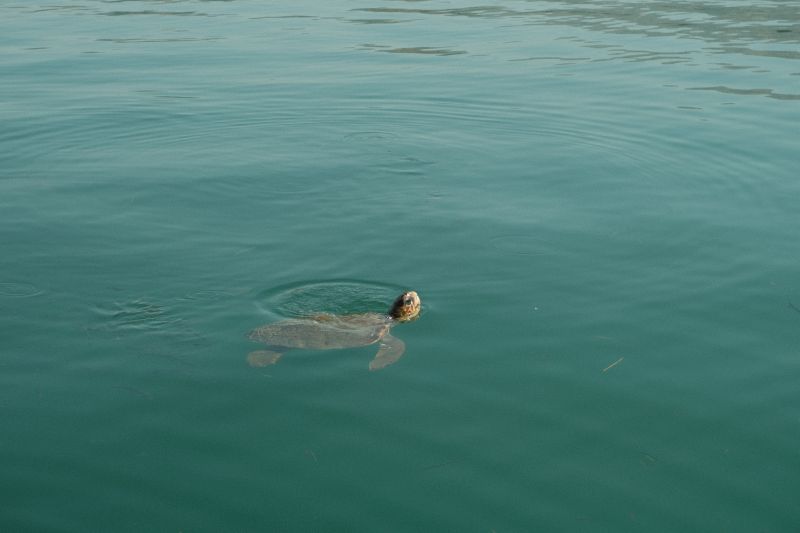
point(597, 203)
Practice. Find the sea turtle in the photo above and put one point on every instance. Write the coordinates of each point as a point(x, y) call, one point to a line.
point(328, 331)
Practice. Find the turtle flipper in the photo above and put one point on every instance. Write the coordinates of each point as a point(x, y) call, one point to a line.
point(391, 349)
point(260, 358)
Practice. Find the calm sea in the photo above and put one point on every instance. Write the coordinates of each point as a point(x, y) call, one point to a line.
point(598, 203)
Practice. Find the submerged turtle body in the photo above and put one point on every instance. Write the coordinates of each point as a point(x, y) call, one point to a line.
point(324, 332)
point(328, 332)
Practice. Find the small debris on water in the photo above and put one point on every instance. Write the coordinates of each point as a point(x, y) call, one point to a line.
point(648, 460)
point(612, 365)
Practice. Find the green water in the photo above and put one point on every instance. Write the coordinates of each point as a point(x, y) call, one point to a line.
point(597, 203)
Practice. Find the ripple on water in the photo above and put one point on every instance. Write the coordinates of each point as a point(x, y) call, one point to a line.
point(137, 315)
point(331, 296)
point(19, 290)
point(371, 136)
point(206, 295)
point(266, 183)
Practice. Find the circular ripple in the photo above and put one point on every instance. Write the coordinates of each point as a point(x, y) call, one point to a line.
point(206, 294)
point(371, 136)
point(19, 290)
point(328, 296)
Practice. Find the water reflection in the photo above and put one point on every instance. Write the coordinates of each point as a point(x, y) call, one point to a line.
point(683, 33)
point(769, 93)
point(153, 12)
point(424, 50)
point(477, 11)
point(377, 21)
point(709, 22)
point(120, 40)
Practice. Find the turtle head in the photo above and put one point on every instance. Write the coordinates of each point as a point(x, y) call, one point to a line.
point(405, 307)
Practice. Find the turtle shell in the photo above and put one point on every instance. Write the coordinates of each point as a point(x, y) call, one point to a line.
point(324, 332)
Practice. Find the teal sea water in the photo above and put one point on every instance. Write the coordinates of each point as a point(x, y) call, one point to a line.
point(597, 202)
